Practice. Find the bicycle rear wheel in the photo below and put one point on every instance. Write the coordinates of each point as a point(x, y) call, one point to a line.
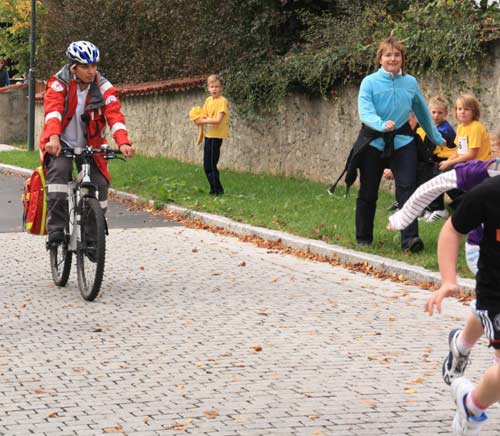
point(91, 249)
point(60, 263)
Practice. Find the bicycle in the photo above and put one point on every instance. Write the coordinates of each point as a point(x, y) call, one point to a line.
point(86, 228)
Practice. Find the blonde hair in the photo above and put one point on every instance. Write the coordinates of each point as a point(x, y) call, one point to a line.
point(469, 102)
point(388, 43)
point(214, 78)
point(439, 102)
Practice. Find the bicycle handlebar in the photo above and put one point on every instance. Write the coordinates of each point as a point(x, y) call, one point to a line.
point(109, 153)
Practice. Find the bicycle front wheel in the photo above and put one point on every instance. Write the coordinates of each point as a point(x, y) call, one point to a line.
point(60, 263)
point(91, 249)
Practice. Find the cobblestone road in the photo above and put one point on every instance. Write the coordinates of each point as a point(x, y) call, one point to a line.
point(195, 333)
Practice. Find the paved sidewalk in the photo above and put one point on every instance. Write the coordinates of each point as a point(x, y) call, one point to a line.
point(5, 147)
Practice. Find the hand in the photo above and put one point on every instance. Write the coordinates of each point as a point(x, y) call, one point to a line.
point(390, 125)
point(53, 147)
point(388, 174)
point(128, 150)
point(446, 290)
point(444, 165)
point(199, 121)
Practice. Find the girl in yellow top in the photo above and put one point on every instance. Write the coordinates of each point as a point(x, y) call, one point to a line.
point(472, 140)
point(216, 121)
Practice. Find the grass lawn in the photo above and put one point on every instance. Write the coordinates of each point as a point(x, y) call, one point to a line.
point(292, 205)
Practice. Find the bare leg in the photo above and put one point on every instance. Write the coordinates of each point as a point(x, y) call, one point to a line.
point(472, 331)
point(487, 391)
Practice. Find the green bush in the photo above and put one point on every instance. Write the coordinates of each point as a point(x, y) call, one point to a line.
point(267, 49)
point(444, 39)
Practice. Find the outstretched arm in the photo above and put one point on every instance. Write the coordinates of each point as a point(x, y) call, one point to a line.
point(448, 245)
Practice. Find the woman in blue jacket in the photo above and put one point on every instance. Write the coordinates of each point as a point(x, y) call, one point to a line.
point(385, 101)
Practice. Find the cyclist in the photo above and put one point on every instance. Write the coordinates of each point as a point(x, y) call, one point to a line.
point(78, 103)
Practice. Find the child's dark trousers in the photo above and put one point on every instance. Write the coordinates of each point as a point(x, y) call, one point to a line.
point(210, 160)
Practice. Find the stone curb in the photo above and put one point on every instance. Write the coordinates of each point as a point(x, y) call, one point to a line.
point(379, 263)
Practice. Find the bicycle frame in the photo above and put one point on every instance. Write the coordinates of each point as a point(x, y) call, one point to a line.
point(76, 190)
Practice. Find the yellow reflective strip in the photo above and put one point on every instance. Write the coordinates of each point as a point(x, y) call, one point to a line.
point(44, 210)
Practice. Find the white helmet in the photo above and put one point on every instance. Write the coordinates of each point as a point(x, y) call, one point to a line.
point(83, 52)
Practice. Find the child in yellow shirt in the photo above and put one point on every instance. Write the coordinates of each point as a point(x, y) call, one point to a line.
point(216, 123)
point(472, 140)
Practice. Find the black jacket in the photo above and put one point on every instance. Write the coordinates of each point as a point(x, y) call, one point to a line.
point(365, 136)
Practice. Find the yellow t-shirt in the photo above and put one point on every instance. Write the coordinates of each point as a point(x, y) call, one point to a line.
point(474, 135)
point(212, 107)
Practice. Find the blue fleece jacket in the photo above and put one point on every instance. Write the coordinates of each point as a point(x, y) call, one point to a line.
point(383, 97)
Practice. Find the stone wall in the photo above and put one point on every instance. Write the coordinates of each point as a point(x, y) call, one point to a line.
point(308, 137)
point(13, 114)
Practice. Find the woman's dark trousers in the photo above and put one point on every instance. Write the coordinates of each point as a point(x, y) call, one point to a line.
point(403, 164)
point(210, 160)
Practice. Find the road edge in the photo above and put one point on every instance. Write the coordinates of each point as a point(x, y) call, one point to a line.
point(381, 264)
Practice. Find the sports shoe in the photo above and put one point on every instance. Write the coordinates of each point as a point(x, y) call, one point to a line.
point(436, 216)
point(394, 206)
point(413, 245)
point(464, 424)
point(455, 363)
point(55, 238)
point(425, 215)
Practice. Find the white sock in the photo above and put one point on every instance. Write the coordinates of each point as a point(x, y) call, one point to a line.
point(462, 346)
point(472, 405)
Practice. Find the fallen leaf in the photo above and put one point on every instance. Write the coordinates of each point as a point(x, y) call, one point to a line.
point(262, 313)
point(257, 348)
point(194, 250)
point(180, 427)
point(116, 429)
point(146, 419)
point(369, 403)
point(410, 391)
point(419, 380)
point(141, 268)
point(211, 414)
point(313, 417)
point(52, 414)
point(242, 264)
point(40, 392)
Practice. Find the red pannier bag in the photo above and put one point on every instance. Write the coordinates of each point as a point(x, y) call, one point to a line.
point(35, 203)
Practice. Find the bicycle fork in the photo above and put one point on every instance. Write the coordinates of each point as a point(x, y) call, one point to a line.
point(78, 189)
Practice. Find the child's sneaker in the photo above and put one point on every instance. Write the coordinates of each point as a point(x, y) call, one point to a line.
point(437, 215)
point(424, 216)
point(464, 424)
point(455, 363)
point(394, 206)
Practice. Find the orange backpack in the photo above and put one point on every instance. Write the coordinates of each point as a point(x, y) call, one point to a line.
point(35, 203)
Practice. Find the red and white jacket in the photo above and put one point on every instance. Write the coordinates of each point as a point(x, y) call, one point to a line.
point(102, 106)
